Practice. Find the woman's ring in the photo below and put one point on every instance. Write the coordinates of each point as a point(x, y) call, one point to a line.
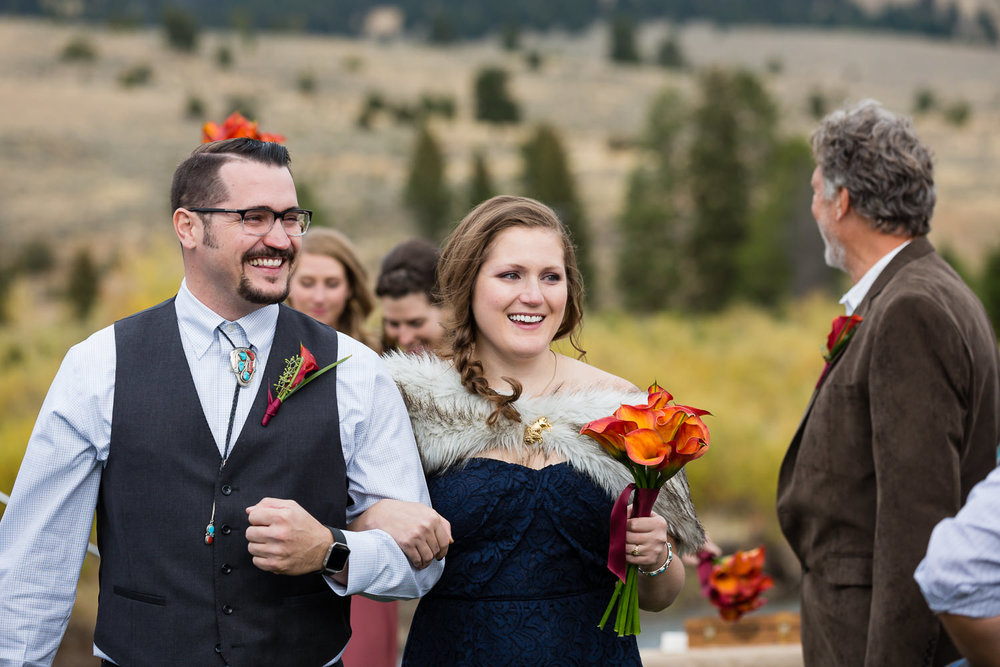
point(635, 551)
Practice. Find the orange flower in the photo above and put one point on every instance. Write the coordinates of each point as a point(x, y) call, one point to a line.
point(609, 432)
point(653, 441)
point(734, 583)
point(235, 127)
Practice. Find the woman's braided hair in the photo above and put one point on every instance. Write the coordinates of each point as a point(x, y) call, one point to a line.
point(463, 256)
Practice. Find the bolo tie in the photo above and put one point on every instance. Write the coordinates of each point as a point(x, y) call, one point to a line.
point(243, 362)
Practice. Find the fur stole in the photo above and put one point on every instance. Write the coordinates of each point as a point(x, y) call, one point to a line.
point(449, 424)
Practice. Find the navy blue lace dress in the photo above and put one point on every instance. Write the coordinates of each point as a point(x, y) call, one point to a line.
point(525, 582)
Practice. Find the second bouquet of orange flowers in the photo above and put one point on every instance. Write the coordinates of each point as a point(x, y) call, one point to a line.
point(654, 441)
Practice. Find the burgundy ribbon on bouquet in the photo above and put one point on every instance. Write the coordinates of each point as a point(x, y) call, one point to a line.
point(642, 506)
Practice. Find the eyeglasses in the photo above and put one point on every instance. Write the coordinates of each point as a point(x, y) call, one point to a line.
point(259, 221)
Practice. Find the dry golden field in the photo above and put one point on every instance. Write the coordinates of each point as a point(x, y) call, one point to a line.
point(85, 158)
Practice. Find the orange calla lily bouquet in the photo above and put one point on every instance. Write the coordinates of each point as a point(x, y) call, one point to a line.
point(654, 441)
point(734, 583)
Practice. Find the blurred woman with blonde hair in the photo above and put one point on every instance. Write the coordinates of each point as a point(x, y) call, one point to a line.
point(331, 285)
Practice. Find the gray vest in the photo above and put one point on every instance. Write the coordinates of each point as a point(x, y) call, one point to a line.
point(167, 598)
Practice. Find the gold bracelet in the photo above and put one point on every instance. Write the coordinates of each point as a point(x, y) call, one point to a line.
point(659, 570)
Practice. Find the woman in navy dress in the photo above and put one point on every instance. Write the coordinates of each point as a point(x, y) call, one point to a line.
point(497, 421)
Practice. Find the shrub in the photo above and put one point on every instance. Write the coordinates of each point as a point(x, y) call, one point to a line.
point(623, 48)
point(510, 37)
point(437, 105)
point(195, 107)
point(35, 258)
point(83, 284)
point(533, 59)
point(669, 54)
point(137, 75)
point(924, 100)
point(306, 83)
point(224, 56)
point(817, 104)
point(245, 105)
point(493, 101)
point(958, 113)
point(78, 49)
point(181, 28)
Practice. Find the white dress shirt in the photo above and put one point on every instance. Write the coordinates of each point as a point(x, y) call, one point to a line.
point(46, 527)
point(854, 296)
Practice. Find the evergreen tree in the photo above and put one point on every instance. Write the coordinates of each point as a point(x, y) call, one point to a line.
point(426, 190)
point(481, 186)
point(719, 193)
point(650, 256)
point(493, 101)
point(181, 28)
point(547, 178)
point(670, 54)
point(989, 284)
point(83, 284)
point(6, 282)
point(766, 260)
point(623, 47)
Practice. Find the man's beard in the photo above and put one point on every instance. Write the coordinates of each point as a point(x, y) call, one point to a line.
point(833, 252)
point(255, 295)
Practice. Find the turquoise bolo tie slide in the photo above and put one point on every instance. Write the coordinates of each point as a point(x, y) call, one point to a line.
point(243, 362)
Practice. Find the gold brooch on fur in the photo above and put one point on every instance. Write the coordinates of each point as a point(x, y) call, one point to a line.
point(533, 431)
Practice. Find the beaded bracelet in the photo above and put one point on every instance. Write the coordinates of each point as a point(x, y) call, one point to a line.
point(659, 570)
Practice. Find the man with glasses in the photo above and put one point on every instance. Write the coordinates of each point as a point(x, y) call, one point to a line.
point(223, 540)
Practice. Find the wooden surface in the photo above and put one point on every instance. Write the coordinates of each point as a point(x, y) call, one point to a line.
point(781, 627)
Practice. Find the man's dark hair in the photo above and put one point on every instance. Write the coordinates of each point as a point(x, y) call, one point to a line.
point(196, 179)
point(410, 268)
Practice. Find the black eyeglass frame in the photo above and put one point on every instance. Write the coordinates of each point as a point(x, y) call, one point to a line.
point(275, 215)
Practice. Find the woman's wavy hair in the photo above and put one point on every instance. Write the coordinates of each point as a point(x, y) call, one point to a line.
point(877, 156)
point(463, 256)
point(320, 241)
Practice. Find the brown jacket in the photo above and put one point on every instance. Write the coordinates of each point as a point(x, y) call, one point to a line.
point(903, 425)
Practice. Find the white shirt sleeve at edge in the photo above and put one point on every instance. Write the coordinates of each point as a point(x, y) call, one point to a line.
point(45, 529)
point(961, 572)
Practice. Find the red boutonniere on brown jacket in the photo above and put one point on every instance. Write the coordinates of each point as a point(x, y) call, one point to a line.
point(841, 332)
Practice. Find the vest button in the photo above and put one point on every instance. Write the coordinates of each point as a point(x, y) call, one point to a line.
point(226, 489)
point(226, 529)
point(227, 610)
point(226, 568)
point(218, 648)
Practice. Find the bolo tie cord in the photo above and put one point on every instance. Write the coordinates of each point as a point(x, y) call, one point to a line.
point(210, 528)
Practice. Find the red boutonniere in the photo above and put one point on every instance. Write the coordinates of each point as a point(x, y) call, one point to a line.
point(734, 583)
point(842, 331)
point(294, 378)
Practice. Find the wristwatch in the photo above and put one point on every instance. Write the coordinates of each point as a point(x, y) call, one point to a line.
point(336, 556)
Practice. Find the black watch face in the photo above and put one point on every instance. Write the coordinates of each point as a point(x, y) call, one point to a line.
point(338, 558)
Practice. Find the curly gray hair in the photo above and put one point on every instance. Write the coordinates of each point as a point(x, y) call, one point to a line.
point(877, 156)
